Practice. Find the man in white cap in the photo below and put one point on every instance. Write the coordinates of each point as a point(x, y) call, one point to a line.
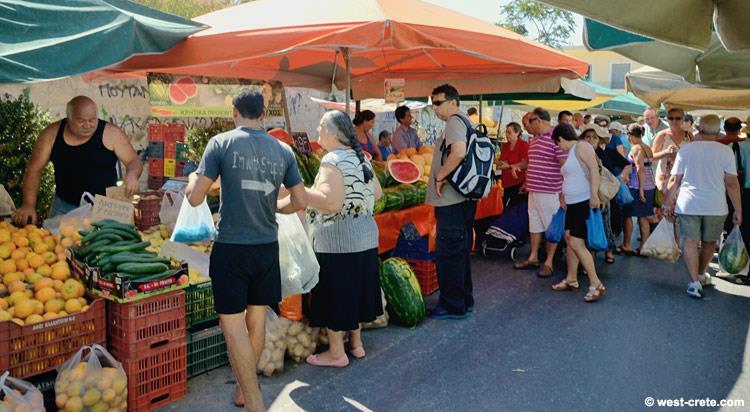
point(704, 172)
point(619, 140)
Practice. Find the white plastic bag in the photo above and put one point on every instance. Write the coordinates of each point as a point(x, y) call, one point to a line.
point(662, 243)
point(77, 219)
point(170, 208)
point(91, 380)
point(272, 358)
point(17, 395)
point(7, 207)
point(299, 266)
point(194, 224)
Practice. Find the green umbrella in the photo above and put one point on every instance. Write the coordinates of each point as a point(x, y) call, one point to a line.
point(689, 23)
point(715, 67)
point(50, 39)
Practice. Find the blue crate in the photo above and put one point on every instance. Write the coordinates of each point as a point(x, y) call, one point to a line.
point(413, 249)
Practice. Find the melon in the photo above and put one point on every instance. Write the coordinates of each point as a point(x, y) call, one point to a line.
point(404, 171)
point(176, 95)
point(733, 257)
point(409, 151)
point(379, 205)
point(187, 85)
point(402, 292)
point(425, 149)
point(418, 159)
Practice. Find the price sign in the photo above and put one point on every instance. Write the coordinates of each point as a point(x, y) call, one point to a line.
point(302, 142)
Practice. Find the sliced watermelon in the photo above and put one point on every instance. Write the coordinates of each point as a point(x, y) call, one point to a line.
point(404, 171)
point(187, 85)
point(177, 95)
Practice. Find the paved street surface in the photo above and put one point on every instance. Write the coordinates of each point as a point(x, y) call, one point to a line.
point(528, 348)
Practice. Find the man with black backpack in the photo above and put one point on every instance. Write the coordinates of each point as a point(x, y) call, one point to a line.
point(461, 166)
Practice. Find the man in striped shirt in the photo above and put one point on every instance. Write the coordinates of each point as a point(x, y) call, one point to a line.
point(544, 184)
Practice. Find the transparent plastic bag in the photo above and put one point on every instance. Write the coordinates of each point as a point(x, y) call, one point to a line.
point(193, 224)
point(596, 238)
point(73, 221)
point(91, 380)
point(662, 243)
point(19, 396)
point(7, 207)
point(272, 357)
point(556, 229)
point(299, 266)
point(170, 208)
point(733, 256)
point(301, 339)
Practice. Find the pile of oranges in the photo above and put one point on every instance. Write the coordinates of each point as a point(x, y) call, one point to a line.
point(35, 280)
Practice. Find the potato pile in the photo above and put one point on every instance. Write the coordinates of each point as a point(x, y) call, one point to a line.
point(663, 253)
point(272, 358)
point(301, 340)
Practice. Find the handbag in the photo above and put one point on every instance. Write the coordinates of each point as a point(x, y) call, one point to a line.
point(608, 183)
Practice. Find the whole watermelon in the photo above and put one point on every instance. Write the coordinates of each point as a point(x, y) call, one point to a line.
point(422, 191)
point(379, 205)
point(402, 292)
point(733, 257)
point(393, 199)
point(409, 193)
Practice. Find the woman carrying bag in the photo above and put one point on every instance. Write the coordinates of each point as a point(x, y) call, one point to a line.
point(581, 193)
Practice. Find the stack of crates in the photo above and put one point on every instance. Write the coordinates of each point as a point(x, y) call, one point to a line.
point(167, 153)
point(149, 338)
point(421, 260)
point(206, 348)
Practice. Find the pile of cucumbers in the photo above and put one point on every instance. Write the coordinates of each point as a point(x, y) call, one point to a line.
point(116, 247)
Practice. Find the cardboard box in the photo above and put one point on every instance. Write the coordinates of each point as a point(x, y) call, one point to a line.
point(121, 289)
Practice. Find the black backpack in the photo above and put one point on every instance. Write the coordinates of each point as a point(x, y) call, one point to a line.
point(473, 176)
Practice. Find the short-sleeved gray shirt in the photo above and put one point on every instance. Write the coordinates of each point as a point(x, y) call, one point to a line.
point(455, 131)
point(252, 165)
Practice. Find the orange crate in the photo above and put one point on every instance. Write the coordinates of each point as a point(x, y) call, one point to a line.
point(137, 327)
point(146, 211)
point(157, 378)
point(426, 273)
point(34, 349)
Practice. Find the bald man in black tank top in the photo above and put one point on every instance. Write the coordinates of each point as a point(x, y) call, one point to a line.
point(84, 151)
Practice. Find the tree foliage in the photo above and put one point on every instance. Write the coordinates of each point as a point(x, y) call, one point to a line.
point(189, 8)
point(553, 26)
point(20, 124)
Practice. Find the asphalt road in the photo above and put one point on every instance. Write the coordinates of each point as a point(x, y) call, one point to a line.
point(528, 348)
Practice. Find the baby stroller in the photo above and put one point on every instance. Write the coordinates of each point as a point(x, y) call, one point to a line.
point(508, 232)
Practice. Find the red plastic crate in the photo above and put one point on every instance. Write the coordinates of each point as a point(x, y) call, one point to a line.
point(138, 327)
point(157, 378)
point(34, 349)
point(156, 167)
point(155, 182)
point(175, 133)
point(157, 132)
point(146, 211)
point(426, 273)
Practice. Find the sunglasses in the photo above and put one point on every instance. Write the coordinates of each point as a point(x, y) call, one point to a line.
point(437, 103)
point(674, 118)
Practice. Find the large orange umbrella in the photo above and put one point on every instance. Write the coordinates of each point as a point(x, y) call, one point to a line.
point(317, 43)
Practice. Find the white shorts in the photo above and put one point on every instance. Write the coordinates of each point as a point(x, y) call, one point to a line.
point(542, 206)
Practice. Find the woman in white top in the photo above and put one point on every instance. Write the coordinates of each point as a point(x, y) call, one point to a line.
point(581, 192)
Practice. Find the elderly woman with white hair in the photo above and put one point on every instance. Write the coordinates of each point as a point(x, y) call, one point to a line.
point(345, 239)
point(704, 172)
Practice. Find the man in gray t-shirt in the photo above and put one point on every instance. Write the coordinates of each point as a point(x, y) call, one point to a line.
point(244, 264)
point(454, 214)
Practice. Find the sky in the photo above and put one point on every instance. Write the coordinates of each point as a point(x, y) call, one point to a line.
point(490, 10)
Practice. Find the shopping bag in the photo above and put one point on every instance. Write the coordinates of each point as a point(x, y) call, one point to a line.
point(272, 357)
point(733, 256)
point(596, 239)
point(301, 339)
point(556, 229)
point(662, 243)
point(623, 196)
point(19, 395)
point(193, 224)
point(299, 266)
point(73, 221)
point(170, 208)
point(91, 380)
point(7, 207)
